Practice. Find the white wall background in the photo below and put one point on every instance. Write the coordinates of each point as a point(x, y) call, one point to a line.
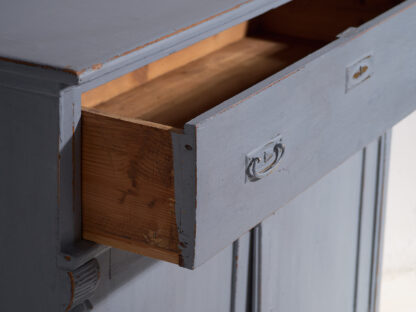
point(398, 289)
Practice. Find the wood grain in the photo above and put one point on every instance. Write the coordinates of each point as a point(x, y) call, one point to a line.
point(178, 96)
point(128, 178)
point(127, 186)
point(127, 157)
point(114, 87)
point(153, 70)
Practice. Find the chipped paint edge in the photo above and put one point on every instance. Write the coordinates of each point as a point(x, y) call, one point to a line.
point(184, 164)
point(299, 65)
point(193, 32)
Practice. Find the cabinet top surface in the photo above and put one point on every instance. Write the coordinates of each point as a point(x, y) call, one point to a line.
point(78, 35)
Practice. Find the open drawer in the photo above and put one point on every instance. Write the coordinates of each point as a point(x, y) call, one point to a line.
point(184, 155)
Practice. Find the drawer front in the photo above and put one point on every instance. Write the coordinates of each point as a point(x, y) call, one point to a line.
point(299, 124)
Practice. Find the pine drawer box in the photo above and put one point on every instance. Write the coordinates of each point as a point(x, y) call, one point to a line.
point(185, 154)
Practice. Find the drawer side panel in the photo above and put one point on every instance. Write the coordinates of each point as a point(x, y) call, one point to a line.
point(128, 198)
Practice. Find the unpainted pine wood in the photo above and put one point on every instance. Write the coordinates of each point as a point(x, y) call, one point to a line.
point(114, 87)
point(127, 186)
point(322, 19)
point(197, 50)
point(153, 70)
point(180, 95)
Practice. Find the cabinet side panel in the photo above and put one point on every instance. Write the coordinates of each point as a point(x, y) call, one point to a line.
point(29, 201)
point(128, 198)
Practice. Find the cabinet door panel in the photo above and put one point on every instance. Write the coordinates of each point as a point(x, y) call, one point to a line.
point(319, 252)
point(132, 283)
point(309, 246)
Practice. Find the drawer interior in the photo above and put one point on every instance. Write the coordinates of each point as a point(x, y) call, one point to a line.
point(179, 87)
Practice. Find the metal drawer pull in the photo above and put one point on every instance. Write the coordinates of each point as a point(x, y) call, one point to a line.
point(263, 161)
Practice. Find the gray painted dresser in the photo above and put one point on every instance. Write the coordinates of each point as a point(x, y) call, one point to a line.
point(219, 155)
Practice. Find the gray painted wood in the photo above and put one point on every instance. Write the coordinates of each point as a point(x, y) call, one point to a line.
point(382, 182)
point(94, 37)
point(309, 253)
point(133, 283)
point(367, 214)
point(39, 140)
point(29, 199)
point(374, 181)
point(309, 246)
point(40, 198)
point(384, 117)
point(308, 264)
point(185, 187)
point(321, 125)
point(256, 268)
point(241, 294)
point(70, 168)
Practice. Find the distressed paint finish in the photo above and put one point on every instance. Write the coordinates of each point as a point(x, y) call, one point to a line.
point(37, 64)
point(40, 148)
point(119, 36)
point(380, 203)
point(70, 167)
point(320, 124)
point(185, 188)
point(43, 159)
point(336, 257)
point(131, 283)
point(30, 197)
point(308, 264)
point(242, 269)
point(334, 268)
point(323, 240)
